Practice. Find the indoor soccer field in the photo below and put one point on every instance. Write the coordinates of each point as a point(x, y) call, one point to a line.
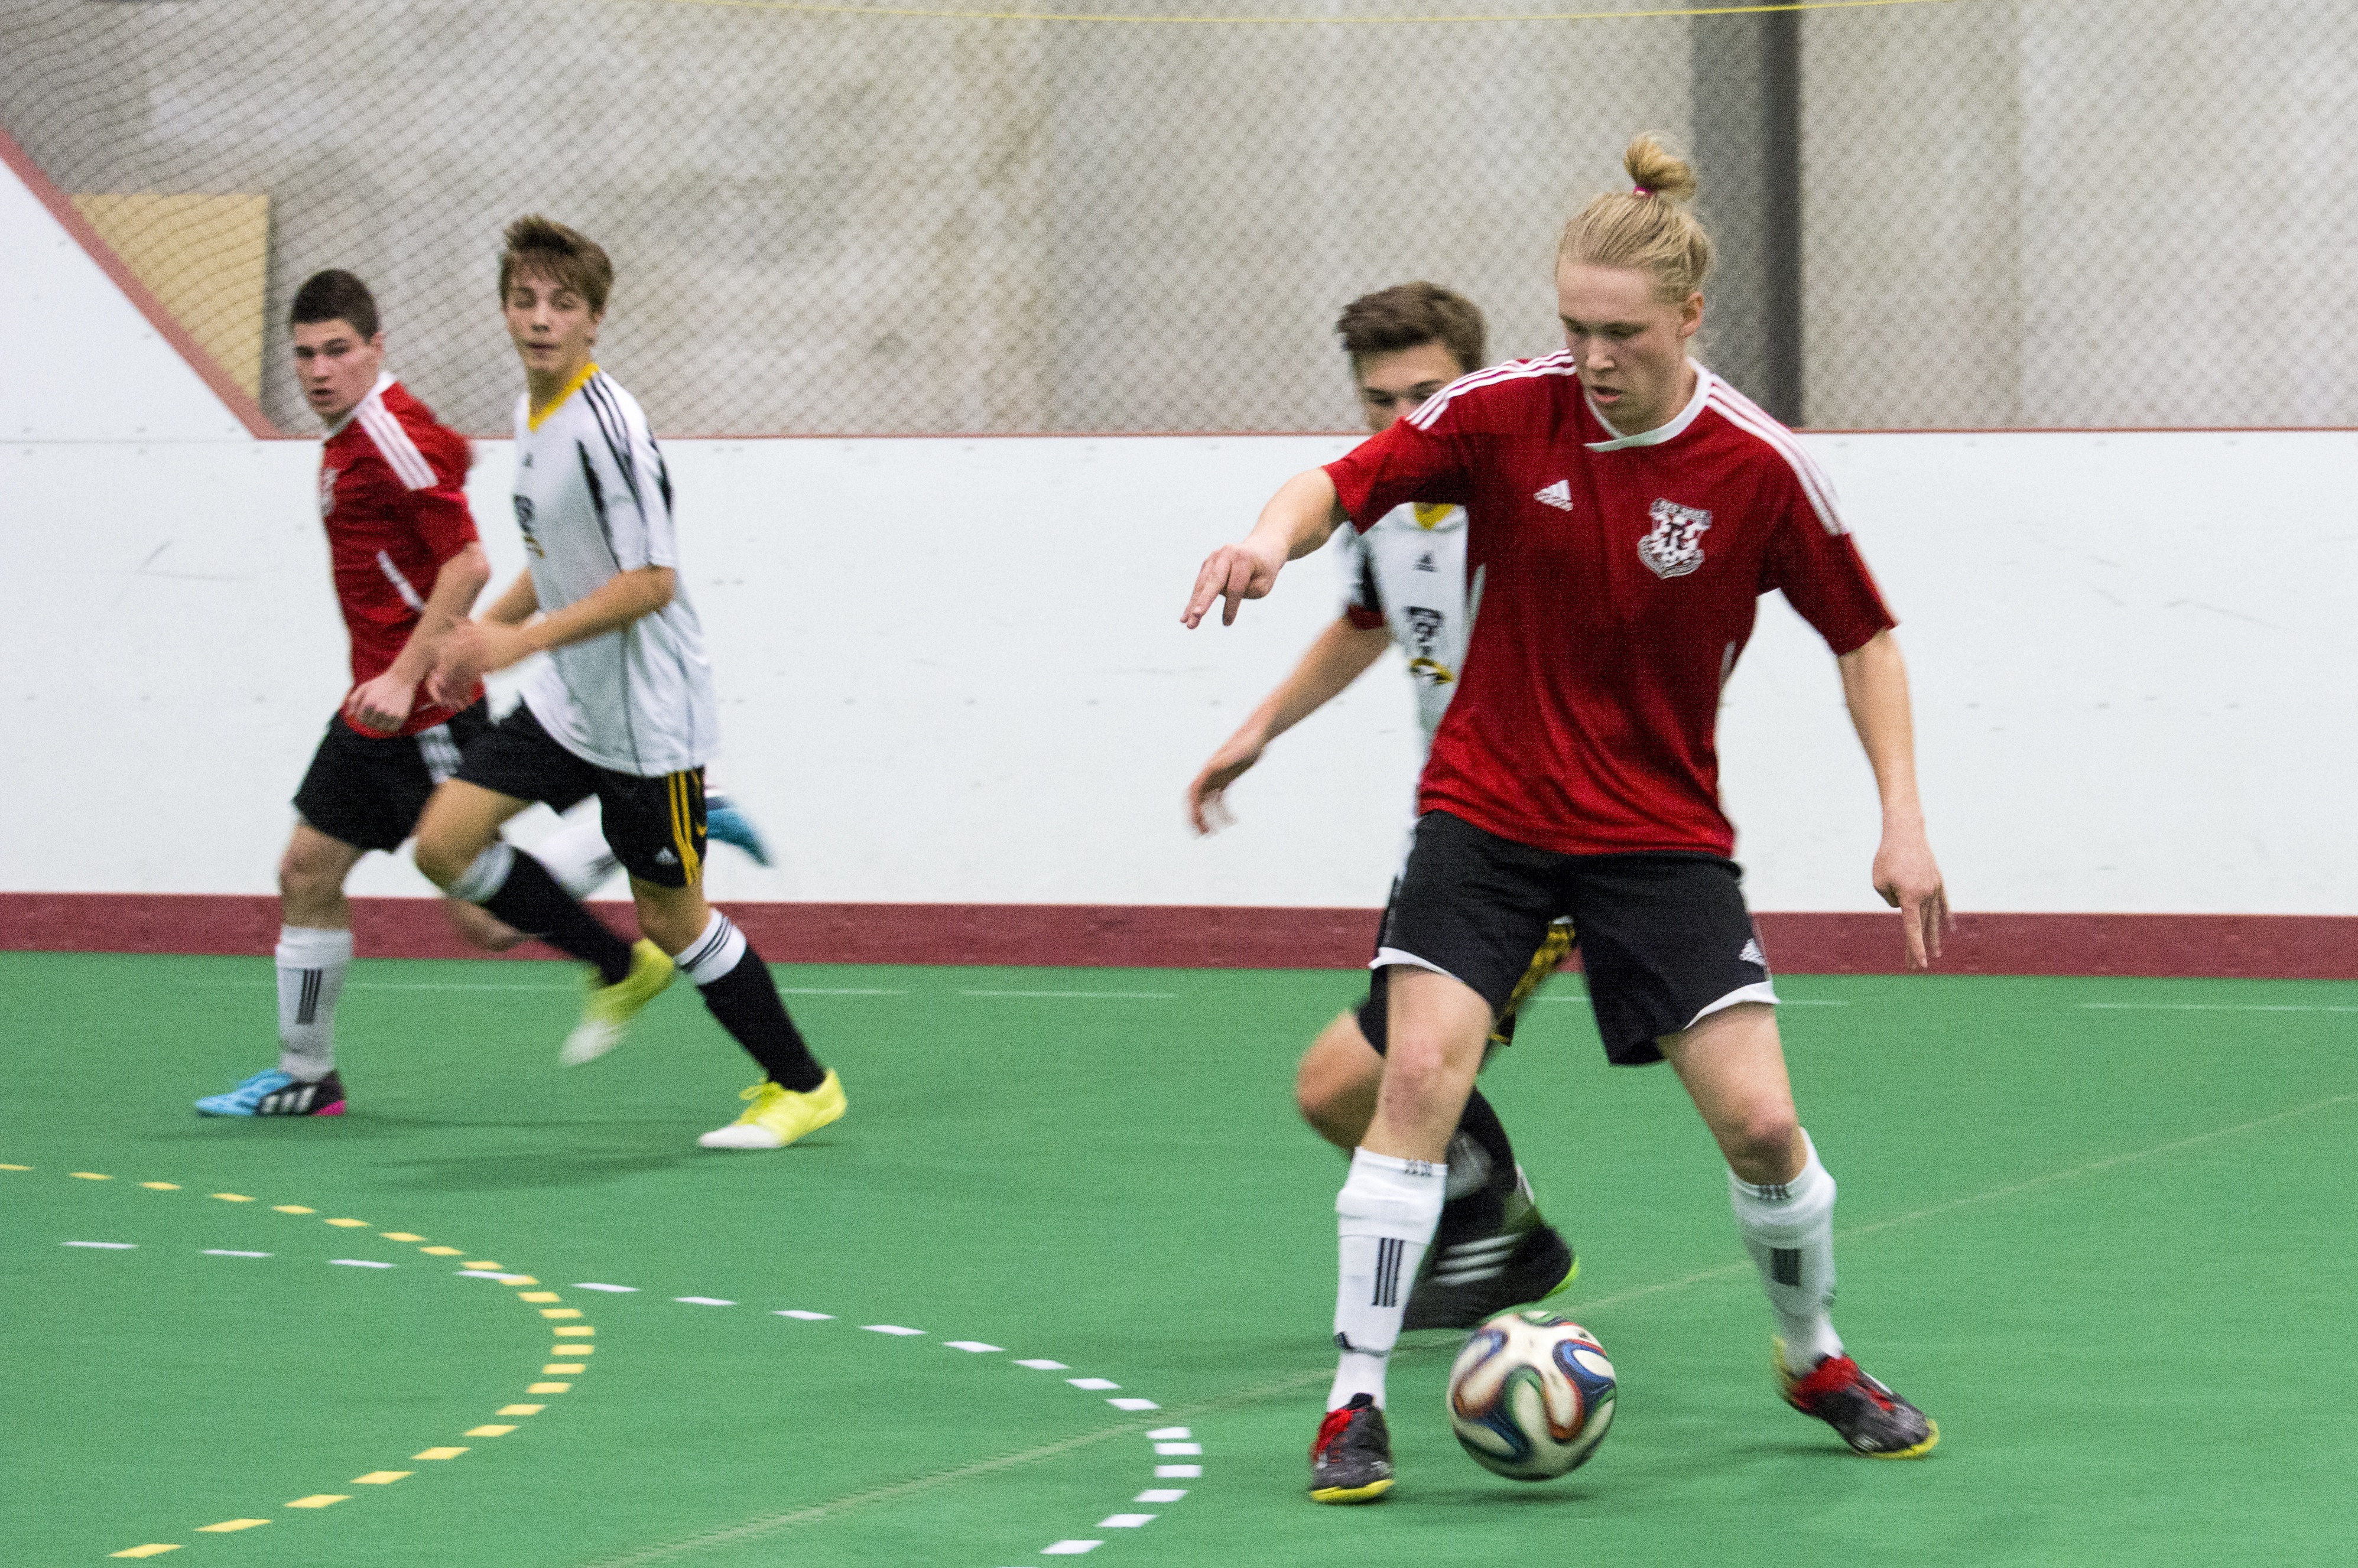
point(1059, 1283)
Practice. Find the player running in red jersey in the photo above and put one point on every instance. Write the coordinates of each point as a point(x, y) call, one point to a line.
point(1406, 584)
point(1627, 511)
point(407, 566)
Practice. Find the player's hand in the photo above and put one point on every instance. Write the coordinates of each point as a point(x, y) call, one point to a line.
point(1206, 806)
point(473, 649)
point(1234, 573)
point(381, 706)
point(1910, 881)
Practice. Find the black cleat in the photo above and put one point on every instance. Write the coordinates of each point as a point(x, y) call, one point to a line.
point(1871, 1418)
point(1472, 1281)
point(1352, 1460)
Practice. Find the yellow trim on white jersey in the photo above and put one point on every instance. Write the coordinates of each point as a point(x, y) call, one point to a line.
point(533, 417)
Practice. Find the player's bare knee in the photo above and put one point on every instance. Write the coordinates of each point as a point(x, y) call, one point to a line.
point(306, 877)
point(1762, 1138)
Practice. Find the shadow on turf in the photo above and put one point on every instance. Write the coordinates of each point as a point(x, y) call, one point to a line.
point(529, 1168)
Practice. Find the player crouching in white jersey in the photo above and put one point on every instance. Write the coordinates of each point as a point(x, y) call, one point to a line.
point(623, 709)
point(1404, 583)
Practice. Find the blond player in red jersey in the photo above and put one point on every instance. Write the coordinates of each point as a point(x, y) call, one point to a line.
point(407, 566)
point(1626, 511)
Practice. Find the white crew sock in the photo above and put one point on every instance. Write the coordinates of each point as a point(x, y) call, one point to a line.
point(311, 964)
point(577, 853)
point(1790, 1231)
point(1385, 1217)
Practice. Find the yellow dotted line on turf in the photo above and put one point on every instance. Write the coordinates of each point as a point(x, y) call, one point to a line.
point(572, 1358)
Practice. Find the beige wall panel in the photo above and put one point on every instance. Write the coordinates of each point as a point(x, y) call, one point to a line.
point(205, 258)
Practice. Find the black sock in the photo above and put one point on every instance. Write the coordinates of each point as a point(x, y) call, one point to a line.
point(1483, 1211)
point(531, 900)
point(747, 1003)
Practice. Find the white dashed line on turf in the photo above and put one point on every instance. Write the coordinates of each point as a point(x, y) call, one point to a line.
point(1166, 1441)
point(611, 1290)
point(107, 1246)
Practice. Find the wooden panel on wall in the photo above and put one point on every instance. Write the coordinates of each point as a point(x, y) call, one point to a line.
point(205, 258)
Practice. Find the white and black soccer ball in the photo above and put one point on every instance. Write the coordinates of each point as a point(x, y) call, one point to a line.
point(1531, 1395)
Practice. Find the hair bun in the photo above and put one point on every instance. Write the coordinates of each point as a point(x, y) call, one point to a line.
point(1656, 169)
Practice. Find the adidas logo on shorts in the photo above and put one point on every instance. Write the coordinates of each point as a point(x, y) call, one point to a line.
point(1752, 954)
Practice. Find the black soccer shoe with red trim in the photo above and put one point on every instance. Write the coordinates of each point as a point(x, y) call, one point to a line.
point(1352, 1460)
point(1871, 1418)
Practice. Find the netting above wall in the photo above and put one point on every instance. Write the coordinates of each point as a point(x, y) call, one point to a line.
point(876, 224)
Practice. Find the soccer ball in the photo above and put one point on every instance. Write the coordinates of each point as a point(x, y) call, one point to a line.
point(1530, 1395)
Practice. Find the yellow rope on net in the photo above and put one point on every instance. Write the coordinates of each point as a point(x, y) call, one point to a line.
point(818, 8)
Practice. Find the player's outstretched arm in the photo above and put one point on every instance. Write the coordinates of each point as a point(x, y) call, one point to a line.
point(383, 705)
point(1340, 655)
point(478, 647)
point(1875, 686)
point(1296, 521)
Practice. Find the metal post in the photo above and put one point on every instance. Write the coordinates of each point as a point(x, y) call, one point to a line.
point(1747, 104)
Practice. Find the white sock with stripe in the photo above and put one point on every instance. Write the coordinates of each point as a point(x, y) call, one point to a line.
point(311, 964)
point(1788, 1229)
point(1385, 1217)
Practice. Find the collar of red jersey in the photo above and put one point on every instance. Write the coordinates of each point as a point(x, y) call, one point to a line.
point(1660, 433)
point(384, 379)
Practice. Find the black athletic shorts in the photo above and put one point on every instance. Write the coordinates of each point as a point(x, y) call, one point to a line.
point(1665, 938)
point(655, 826)
point(1375, 1014)
point(367, 790)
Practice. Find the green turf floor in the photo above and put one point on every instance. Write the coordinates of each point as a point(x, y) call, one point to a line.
point(2102, 1230)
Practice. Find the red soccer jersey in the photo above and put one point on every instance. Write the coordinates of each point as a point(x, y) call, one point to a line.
point(1615, 580)
point(391, 496)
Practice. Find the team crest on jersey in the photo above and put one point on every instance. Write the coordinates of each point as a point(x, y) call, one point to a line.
point(1675, 547)
point(328, 490)
point(524, 526)
point(1425, 630)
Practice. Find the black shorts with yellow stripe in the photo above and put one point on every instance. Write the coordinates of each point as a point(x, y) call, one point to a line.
point(655, 824)
point(1375, 1016)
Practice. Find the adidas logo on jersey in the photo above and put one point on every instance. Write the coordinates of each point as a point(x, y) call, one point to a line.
point(1425, 563)
point(1558, 495)
point(1753, 954)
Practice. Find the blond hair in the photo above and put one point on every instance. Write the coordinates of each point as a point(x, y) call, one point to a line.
point(1647, 226)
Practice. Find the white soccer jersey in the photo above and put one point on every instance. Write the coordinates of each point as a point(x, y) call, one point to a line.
point(593, 500)
point(1408, 573)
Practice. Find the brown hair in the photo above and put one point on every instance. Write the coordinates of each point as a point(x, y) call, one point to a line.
point(334, 295)
point(567, 258)
point(1646, 227)
point(1409, 314)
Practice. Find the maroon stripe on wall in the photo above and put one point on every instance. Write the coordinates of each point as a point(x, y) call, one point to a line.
point(2279, 947)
